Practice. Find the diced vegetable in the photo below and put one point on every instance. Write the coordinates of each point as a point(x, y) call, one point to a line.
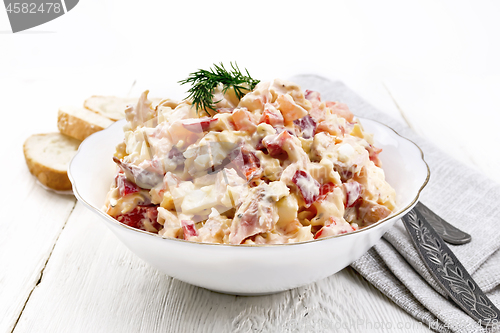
point(189, 229)
point(308, 187)
point(125, 186)
point(272, 117)
point(245, 161)
point(307, 126)
point(198, 125)
point(334, 226)
point(141, 217)
point(274, 144)
point(325, 189)
point(353, 191)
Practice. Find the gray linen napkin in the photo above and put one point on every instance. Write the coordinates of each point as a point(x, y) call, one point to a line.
point(462, 196)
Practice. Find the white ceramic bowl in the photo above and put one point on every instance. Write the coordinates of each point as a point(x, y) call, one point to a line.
point(244, 269)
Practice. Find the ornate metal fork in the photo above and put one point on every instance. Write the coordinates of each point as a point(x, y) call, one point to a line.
point(447, 270)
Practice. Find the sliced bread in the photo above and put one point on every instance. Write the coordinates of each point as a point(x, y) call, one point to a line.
point(113, 107)
point(48, 156)
point(79, 122)
point(109, 106)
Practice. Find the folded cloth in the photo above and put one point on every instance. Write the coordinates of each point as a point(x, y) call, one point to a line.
point(462, 196)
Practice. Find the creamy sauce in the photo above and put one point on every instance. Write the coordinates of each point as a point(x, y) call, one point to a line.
point(270, 168)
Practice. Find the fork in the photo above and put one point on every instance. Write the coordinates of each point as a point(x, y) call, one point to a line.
point(445, 267)
point(448, 232)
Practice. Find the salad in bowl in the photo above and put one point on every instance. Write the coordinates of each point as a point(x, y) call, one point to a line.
point(247, 187)
point(276, 165)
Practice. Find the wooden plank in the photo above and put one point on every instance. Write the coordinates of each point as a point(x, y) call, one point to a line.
point(32, 219)
point(92, 283)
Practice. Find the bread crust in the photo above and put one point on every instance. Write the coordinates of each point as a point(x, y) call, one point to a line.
point(55, 179)
point(75, 127)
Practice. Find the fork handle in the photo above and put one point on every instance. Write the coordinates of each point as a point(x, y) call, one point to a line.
point(449, 271)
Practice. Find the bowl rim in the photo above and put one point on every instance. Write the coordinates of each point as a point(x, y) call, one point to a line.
point(376, 224)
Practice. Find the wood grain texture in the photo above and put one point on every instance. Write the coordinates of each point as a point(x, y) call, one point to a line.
point(92, 283)
point(32, 219)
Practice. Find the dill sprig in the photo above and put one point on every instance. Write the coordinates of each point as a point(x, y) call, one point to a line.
point(203, 84)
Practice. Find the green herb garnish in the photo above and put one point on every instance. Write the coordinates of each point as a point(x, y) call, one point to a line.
point(203, 84)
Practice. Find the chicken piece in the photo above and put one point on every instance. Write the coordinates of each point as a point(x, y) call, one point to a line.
point(258, 213)
point(341, 110)
point(142, 112)
point(289, 109)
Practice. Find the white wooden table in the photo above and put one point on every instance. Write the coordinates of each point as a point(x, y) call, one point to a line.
point(61, 270)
